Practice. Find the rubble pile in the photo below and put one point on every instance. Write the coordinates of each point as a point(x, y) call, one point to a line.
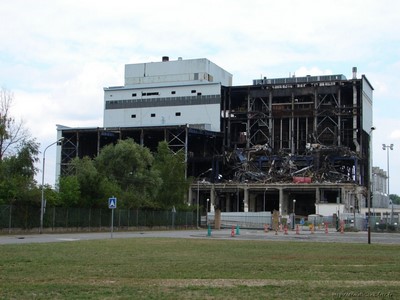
point(320, 164)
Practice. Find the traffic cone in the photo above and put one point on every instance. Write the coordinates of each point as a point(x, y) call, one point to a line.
point(312, 228)
point(341, 227)
point(233, 231)
point(297, 229)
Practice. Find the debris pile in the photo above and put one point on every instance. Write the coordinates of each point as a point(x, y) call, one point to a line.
point(319, 164)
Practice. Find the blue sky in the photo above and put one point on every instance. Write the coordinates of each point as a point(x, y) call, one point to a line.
point(56, 56)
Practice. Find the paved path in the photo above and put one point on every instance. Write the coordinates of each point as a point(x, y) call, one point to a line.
point(303, 236)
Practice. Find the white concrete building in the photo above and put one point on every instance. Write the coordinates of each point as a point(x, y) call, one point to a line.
point(167, 93)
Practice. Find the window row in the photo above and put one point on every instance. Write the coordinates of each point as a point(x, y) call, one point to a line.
point(155, 102)
point(157, 93)
point(153, 115)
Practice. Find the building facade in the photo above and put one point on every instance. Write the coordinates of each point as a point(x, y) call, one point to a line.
point(297, 145)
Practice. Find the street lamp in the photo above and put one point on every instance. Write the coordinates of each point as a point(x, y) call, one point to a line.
point(42, 201)
point(198, 195)
point(370, 189)
point(387, 148)
point(294, 216)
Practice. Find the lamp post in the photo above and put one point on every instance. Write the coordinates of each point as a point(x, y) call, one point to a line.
point(294, 216)
point(42, 201)
point(370, 189)
point(387, 148)
point(198, 196)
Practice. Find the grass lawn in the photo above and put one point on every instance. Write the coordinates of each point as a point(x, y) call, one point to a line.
point(156, 268)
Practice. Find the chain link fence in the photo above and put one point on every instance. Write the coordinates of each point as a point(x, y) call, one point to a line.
point(27, 218)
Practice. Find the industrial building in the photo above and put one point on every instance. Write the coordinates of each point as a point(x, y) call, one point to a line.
point(295, 145)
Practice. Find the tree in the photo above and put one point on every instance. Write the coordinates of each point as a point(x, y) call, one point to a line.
point(69, 191)
point(12, 133)
point(130, 167)
point(17, 173)
point(171, 167)
point(89, 181)
point(395, 198)
point(18, 155)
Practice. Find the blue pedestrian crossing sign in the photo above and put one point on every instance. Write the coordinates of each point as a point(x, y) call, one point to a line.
point(112, 203)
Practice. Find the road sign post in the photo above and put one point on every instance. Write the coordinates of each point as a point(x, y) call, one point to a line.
point(112, 204)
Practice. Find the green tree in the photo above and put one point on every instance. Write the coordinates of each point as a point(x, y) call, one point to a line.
point(18, 155)
point(89, 182)
point(69, 191)
point(17, 184)
point(395, 198)
point(129, 166)
point(171, 167)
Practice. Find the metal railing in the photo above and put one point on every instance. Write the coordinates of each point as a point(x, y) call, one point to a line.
point(27, 218)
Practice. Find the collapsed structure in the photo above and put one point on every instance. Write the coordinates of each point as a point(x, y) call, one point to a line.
point(297, 145)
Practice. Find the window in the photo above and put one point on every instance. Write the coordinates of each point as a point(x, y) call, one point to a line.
point(150, 94)
point(198, 94)
point(193, 91)
point(133, 116)
point(152, 115)
point(134, 95)
point(178, 114)
point(173, 92)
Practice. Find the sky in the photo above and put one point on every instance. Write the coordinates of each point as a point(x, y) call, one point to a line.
point(57, 56)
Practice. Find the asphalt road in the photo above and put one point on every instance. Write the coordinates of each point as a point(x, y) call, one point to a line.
point(244, 234)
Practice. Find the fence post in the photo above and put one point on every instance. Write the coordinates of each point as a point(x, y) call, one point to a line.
point(54, 217)
point(90, 218)
point(10, 219)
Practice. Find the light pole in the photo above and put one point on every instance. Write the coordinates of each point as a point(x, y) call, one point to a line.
point(387, 148)
point(42, 201)
point(198, 195)
point(370, 187)
point(294, 216)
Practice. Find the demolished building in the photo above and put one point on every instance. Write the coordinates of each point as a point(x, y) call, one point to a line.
point(296, 145)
